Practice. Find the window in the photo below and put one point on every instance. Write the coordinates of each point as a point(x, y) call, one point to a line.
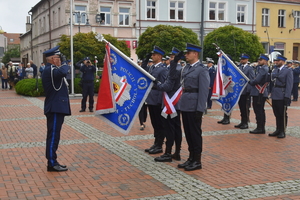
point(11, 40)
point(80, 14)
point(241, 14)
point(151, 8)
point(217, 11)
point(124, 16)
point(297, 19)
point(265, 16)
point(266, 47)
point(281, 18)
point(279, 47)
point(105, 14)
point(176, 10)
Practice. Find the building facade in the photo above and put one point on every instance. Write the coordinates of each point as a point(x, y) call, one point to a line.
point(278, 26)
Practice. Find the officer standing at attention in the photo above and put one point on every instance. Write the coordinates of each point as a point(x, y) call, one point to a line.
point(88, 75)
point(259, 93)
point(282, 76)
point(296, 73)
point(244, 102)
point(212, 75)
point(57, 104)
point(192, 104)
point(154, 99)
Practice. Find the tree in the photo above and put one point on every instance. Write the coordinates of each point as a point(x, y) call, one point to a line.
point(233, 41)
point(13, 52)
point(86, 45)
point(166, 37)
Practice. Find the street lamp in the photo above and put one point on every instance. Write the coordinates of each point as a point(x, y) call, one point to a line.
point(79, 16)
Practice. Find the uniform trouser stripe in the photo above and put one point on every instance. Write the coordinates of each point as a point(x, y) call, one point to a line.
point(53, 138)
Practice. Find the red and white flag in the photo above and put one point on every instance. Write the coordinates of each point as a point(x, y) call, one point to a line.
point(106, 101)
point(218, 88)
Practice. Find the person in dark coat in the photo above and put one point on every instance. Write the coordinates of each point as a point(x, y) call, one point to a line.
point(56, 106)
point(88, 75)
point(212, 75)
point(154, 99)
point(282, 76)
point(296, 73)
point(244, 101)
point(34, 67)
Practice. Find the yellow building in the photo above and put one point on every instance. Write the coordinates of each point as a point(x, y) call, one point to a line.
point(278, 26)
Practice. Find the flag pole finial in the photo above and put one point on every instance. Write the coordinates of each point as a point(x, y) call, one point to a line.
point(217, 47)
point(100, 38)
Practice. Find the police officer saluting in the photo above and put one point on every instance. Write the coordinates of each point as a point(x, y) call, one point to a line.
point(57, 104)
point(244, 102)
point(88, 75)
point(259, 93)
point(195, 82)
point(282, 77)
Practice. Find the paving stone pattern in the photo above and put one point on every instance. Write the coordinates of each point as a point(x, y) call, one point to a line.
point(105, 164)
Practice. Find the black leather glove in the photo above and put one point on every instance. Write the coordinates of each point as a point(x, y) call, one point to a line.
point(179, 56)
point(148, 56)
point(198, 115)
point(286, 101)
point(156, 81)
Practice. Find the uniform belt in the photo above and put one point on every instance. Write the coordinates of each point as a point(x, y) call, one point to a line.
point(279, 86)
point(190, 90)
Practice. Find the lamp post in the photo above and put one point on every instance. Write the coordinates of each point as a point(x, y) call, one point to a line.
point(79, 16)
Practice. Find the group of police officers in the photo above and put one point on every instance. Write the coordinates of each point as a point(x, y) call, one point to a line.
point(190, 88)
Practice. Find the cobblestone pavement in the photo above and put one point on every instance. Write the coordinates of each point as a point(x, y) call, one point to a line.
point(105, 164)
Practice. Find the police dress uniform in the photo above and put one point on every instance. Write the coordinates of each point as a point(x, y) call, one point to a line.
point(195, 82)
point(88, 76)
point(244, 101)
point(282, 77)
point(56, 107)
point(296, 73)
point(154, 102)
point(173, 124)
point(259, 97)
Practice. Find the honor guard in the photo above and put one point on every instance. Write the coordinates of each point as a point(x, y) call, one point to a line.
point(259, 93)
point(192, 104)
point(282, 77)
point(154, 99)
point(212, 75)
point(56, 106)
point(171, 88)
point(244, 102)
point(296, 73)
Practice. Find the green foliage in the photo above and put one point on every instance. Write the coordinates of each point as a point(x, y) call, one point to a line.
point(233, 41)
point(13, 52)
point(85, 44)
point(166, 37)
point(27, 87)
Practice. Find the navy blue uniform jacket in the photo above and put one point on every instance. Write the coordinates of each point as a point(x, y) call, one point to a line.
point(56, 101)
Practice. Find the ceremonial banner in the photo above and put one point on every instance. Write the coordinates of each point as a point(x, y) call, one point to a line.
point(232, 82)
point(130, 85)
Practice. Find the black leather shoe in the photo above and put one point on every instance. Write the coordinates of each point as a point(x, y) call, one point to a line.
point(176, 156)
point(164, 158)
point(91, 110)
point(56, 168)
point(226, 121)
point(295, 100)
point(155, 150)
point(239, 125)
point(281, 135)
point(221, 121)
point(258, 131)
point(244, 126)
point(152, 147)
point(183, 165)
point(193, 166)
point(275, 133)
point(81, 110)
point(63, 166)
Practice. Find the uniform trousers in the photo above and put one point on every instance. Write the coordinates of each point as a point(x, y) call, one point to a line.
point(158, 122)
point(173, 131)
point(279, 112)
point(143, 114)
point(244, 108)
point(295, 91)
point(54, 124)
point(259, 110)
point(209, 101)
point(87, 91)
point(193, 132)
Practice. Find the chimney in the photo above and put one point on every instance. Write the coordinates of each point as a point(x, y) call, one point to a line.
point(28, 24)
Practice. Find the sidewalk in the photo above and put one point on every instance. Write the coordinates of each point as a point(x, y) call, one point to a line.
point(105, 164)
